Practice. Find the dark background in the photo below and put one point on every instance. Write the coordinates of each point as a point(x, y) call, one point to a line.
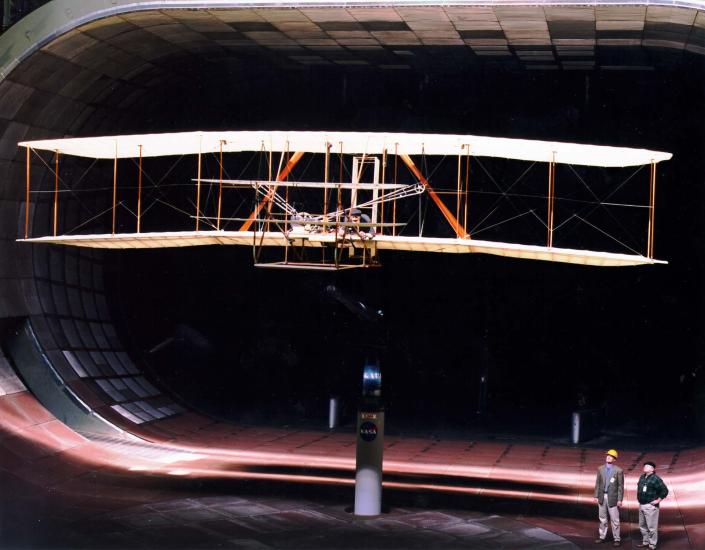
point(263, 344)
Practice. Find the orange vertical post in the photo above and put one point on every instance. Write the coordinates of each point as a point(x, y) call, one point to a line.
point(139, 193)
point(394, 202)
point(652, 205)
point(467, 187)
point(114, 188)
point(384, 179)
point(198, 191)
point(56, 192)
point(220, 187)
point(326, 170)
point(26, 200)
point(551, 199)
point(457, 196)
point(270, 166)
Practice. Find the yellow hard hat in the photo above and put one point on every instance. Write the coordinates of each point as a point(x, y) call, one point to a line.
point(612, 453)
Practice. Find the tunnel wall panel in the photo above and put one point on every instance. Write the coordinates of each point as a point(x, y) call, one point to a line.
point(9, 382)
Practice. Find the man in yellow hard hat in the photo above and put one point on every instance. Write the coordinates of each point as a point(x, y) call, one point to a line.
point(609, 492)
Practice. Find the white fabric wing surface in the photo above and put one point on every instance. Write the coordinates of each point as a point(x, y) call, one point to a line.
point(358, 143)
point(382, 242)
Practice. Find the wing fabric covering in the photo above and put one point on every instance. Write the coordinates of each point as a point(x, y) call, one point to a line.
point(348, 143)
point(382, 242)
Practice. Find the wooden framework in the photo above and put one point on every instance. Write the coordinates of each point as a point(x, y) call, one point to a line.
point(551, 200)
point(26, 200)
point(56, 192)
point(652, 210)
point(139, 192)
point(114, 210)
point(334, 238)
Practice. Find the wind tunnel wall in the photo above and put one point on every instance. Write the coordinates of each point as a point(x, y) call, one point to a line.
point(115, 75)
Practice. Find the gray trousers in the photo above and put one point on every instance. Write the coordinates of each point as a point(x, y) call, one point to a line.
point(648, 523)
point(606, 513)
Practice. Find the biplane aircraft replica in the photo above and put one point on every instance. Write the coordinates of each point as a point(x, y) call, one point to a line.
point(344, 217)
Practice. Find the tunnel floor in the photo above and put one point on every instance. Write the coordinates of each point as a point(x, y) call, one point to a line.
point(221, 485)
point(277, 522)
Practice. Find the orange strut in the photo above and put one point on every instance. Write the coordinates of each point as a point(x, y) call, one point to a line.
point(270, 194)
point(454, 223)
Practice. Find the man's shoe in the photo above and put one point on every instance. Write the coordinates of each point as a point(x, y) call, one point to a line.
point(642, 545)
point(599, 541)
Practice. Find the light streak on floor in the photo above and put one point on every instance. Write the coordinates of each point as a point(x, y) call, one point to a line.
point(551, 486)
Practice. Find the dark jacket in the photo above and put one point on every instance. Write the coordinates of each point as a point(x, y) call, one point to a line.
point(615, 489)
point(650, 488)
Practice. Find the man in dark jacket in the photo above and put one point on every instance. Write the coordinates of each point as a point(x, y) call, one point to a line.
point(362, 221)
point(650, 491)
point(609, 493)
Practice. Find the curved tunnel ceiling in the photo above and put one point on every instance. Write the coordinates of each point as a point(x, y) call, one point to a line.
point(71, 68)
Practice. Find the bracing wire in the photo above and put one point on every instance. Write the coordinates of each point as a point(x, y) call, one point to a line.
point(504, 192)
point(608, 235)
point(505, 221)
point(601, 204)
point(91, 219)
point(158, 189)
point(61, 180)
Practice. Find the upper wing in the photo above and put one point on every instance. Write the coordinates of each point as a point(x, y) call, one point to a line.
point(349, 143)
